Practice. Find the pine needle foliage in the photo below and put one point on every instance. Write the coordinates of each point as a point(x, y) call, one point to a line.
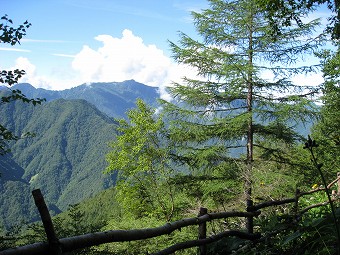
point(243, 94)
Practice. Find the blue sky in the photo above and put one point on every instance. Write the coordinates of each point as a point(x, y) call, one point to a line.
point(63, 29)
point(72, 42)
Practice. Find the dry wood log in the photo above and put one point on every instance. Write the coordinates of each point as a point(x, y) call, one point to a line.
point(211, 239)
point(271, 203)
point(315, 206)
point(79, 242)
point(52, 238)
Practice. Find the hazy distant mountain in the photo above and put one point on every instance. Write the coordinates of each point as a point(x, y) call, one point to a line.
point(66, 158)
point(112, 98)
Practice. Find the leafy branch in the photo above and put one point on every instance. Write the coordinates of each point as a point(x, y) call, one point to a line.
point(309, 145)
point(10, 34)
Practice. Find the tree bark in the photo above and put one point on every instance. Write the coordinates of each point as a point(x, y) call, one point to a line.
point(250, 132)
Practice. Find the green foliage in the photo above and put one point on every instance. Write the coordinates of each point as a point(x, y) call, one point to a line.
point(326, 131)
point(71, 223)
point(314, 234)
point(318, 236)
point(231, 125)
point(65, 159)
point(152, 184)
point(285, 232)
point(149, 245)
point(231, 109)
point(100, 208)
point(112, 98)
point(141, 156)
point(10, 78)
point(283, 13)
point(298, 231)
point(91, 215)
point(274, 181)
point(101, 213)
point(315, 198)
point(141, 136)
point(12, 36)
point(216, 190)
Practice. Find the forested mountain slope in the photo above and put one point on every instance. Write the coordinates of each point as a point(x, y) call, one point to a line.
point(112, 98)
point(65, 159)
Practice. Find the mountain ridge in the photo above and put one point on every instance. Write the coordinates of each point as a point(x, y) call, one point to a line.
point(66, 158)
point(100, 94)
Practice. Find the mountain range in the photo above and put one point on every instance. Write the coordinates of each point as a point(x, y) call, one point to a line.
point(112, 98)
point(66, 157)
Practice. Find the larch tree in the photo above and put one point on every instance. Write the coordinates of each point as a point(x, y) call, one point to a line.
point(282, 13)
point(243, 96)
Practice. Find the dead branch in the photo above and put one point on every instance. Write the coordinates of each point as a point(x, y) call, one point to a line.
point(270, 203)
point(316, 205)
point(193, 243)
point(93, 239)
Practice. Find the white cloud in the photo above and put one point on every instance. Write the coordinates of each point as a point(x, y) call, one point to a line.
point(31, 76)
point(13, 49)
point(117, 59)
point(122, 59)
point(313, 79)
point(63, 55)
point(24, 63)
point(126, 58)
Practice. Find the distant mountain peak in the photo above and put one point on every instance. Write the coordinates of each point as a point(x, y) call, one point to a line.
point(112, 98)
point(66, 158)
point(24, 85)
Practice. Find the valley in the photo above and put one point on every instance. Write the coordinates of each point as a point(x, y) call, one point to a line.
point(66, 157)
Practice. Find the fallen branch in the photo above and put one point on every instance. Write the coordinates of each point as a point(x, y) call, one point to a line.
point(270, 203)
point(83, 241)
point(315, 206)
point(211, 239)
point(289, 200)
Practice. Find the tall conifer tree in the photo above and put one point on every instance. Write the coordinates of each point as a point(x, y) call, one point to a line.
point(233, 105)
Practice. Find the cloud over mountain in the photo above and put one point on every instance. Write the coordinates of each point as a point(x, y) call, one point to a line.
point(121, 59)
point(116, 59)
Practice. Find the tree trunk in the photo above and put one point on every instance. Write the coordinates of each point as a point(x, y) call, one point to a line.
point(250, 132)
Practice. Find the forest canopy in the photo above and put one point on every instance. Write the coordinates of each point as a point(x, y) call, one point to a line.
point(232, 137)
